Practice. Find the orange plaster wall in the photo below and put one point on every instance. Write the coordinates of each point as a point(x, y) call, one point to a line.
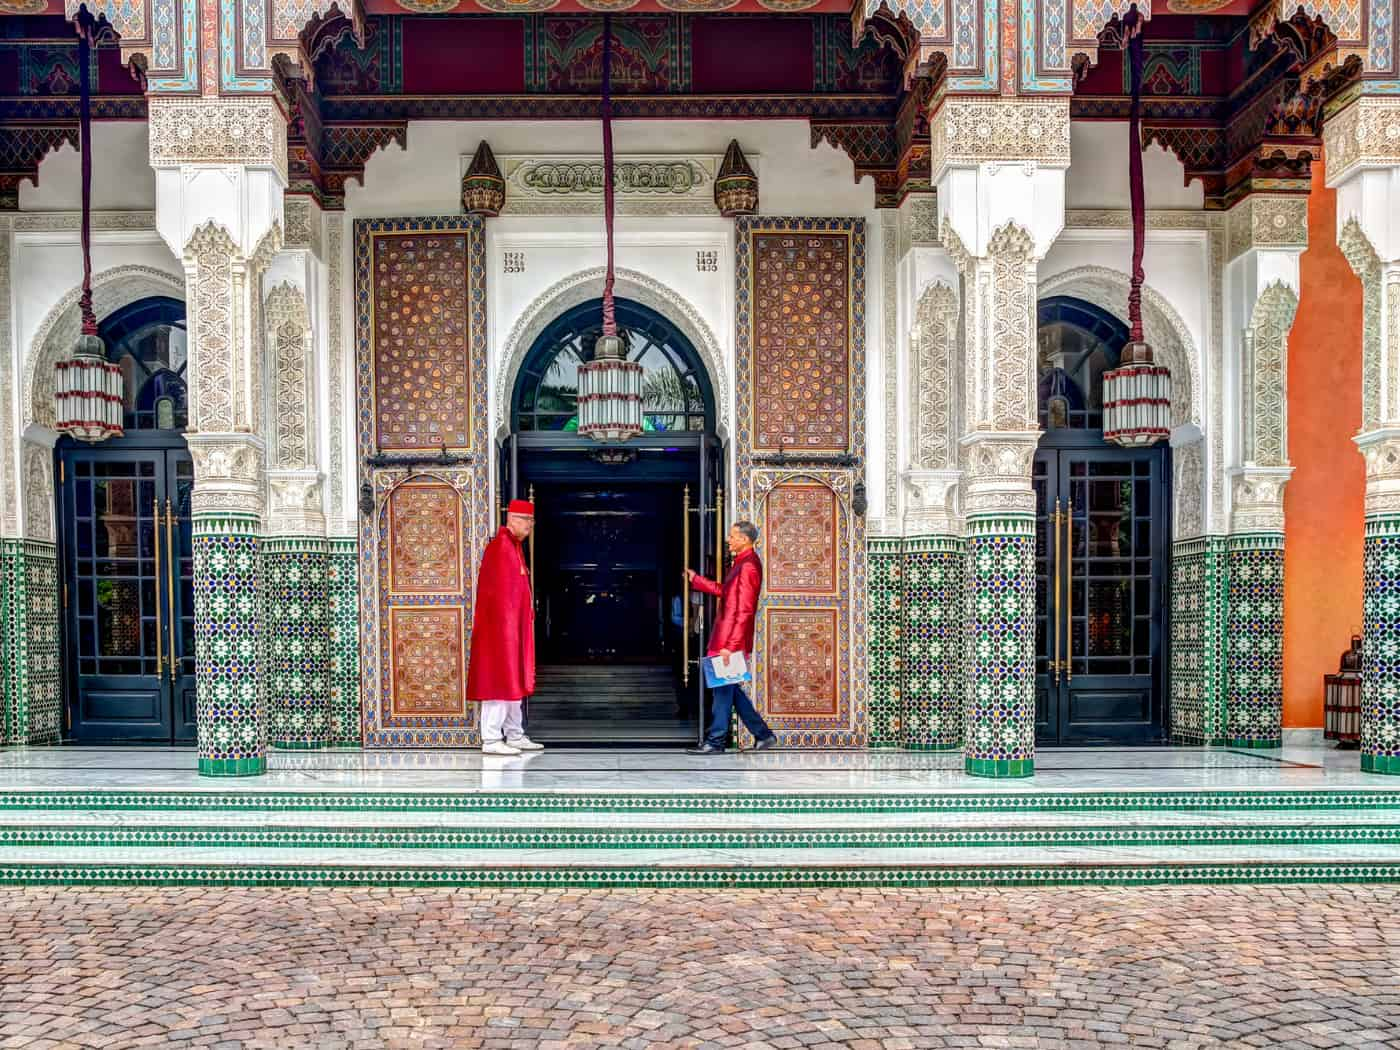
point(1323, 503)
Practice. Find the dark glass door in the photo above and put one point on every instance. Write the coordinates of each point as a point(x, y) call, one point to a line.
point(128, 595)
point(1100, 546)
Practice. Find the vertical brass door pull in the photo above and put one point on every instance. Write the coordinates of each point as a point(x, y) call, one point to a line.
point(1055, 587)
point(685, 595)
point(1069, 589)
point(160, 626)
point(172, 570)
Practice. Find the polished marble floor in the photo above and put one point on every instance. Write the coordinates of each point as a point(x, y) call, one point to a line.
point(669, 772)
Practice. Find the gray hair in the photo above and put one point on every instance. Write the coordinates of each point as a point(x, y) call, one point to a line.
point(749, 529)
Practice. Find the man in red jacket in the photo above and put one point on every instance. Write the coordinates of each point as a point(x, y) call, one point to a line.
point(733, 633)
point(502, 669)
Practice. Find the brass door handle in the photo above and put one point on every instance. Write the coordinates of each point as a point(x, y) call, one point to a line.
point(172, 571)
point(160, 626)
point(685, 593)
point(1069, 589)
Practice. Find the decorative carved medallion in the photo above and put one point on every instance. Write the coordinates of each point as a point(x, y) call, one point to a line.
point(425, 530)
point(426, 656)
point(801, 663)
point(800, 523)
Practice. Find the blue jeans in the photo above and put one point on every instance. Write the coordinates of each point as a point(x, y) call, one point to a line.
point(727, 698)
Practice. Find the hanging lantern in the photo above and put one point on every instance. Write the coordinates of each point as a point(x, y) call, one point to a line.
point(88, 393)
point(609, 386)
point(1137, 395)
point(87, 387)
point(610, 393)
point(1137, 399)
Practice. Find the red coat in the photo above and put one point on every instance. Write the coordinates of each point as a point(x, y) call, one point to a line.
point(738, 604)
point(503, 627)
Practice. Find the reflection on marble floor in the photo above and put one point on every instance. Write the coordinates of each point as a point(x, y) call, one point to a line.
point(669, 772)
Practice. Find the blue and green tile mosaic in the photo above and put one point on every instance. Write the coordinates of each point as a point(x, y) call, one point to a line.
point(1198, 605)
point(342, 598)
point(999, 647)
point(1254, 629)
point(30, 682)
point(295, 613)
point(885, 631)
point(1380, 650)
point(228, 646)
point(932, 718)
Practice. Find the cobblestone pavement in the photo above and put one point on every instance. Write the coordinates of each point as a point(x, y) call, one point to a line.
point(1181, 967)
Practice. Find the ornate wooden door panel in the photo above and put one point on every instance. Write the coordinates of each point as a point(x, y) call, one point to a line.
point(420, 293)
point(800, 435)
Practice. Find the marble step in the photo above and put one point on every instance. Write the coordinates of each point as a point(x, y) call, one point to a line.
point(313, 836)
point(717, 868)
point(624, 819)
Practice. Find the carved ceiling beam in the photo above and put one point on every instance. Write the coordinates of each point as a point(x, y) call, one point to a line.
point(322, 157)
point(22, 149)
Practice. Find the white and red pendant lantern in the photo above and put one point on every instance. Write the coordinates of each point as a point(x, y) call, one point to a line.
point(1137, 395)
point(1137, 399)
point(609, 386)
point(87, 387)
point(88, 393)
point(610, 393)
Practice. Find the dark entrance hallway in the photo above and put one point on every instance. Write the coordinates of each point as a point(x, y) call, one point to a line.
point(616, 647)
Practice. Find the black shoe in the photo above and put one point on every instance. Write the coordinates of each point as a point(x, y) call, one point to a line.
point(765, 744)
point(706, 748)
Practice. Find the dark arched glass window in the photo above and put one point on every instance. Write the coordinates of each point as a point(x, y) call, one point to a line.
point(676, 392)
point(1076, 343)
point(147, 339)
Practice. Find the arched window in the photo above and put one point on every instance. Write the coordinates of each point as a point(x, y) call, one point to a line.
point(676, 391)
point(1077, 343)
point(147, 339)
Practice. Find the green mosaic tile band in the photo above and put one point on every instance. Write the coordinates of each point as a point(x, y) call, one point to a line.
point(885, 631)
point(228, 646)
point(1380, 648)
point(1254, 631)
point(295, 613)
point(432, 837)
point(999, 647)
point(834, 876)
point(1198, 604)
point(933, 676)
point(30, 663)
point(342, 610)
point(706, 802)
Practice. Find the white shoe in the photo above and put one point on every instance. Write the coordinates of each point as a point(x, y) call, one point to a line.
point(499, 747)
point(524, 743)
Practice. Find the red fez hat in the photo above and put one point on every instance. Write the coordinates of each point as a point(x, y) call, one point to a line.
point(521, 506)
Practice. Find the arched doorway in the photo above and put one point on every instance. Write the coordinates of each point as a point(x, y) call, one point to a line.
point(615, 527)
point(124, 524)
point(1103, 533)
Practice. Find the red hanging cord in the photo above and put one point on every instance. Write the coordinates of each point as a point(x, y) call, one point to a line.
point(85, 26)
point(609, 311)
point(1132, 27)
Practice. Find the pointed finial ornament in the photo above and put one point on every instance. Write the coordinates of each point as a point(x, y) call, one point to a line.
point(736, 186)
point(483, 188)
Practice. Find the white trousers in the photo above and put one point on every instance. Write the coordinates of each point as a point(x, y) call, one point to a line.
point(500, 718)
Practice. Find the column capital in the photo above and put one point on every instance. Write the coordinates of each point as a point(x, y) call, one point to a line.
point(228, 473)
point(1381, 450)
point(996, 161)
point(295, 503)
point(1362, 146)
point(997, 479)
point(1256, 498)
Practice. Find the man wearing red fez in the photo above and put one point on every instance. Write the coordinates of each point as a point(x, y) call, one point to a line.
point(502, 669)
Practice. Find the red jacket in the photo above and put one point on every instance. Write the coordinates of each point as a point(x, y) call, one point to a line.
point(738, 603)
point(503, 626)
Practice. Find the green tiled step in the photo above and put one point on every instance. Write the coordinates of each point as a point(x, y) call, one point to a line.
point(641, 837)
point(701, 868)
point(853, 802)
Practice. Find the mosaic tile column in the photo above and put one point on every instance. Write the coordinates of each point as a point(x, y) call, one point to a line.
point(298, 643)
point(1198, 603)
point(932, 718)
point(342, 611)
point(999, 647)
point(1254, 641)
point(227, 646)
point(885, 630)
point(30, 677)
point(1380, 650)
